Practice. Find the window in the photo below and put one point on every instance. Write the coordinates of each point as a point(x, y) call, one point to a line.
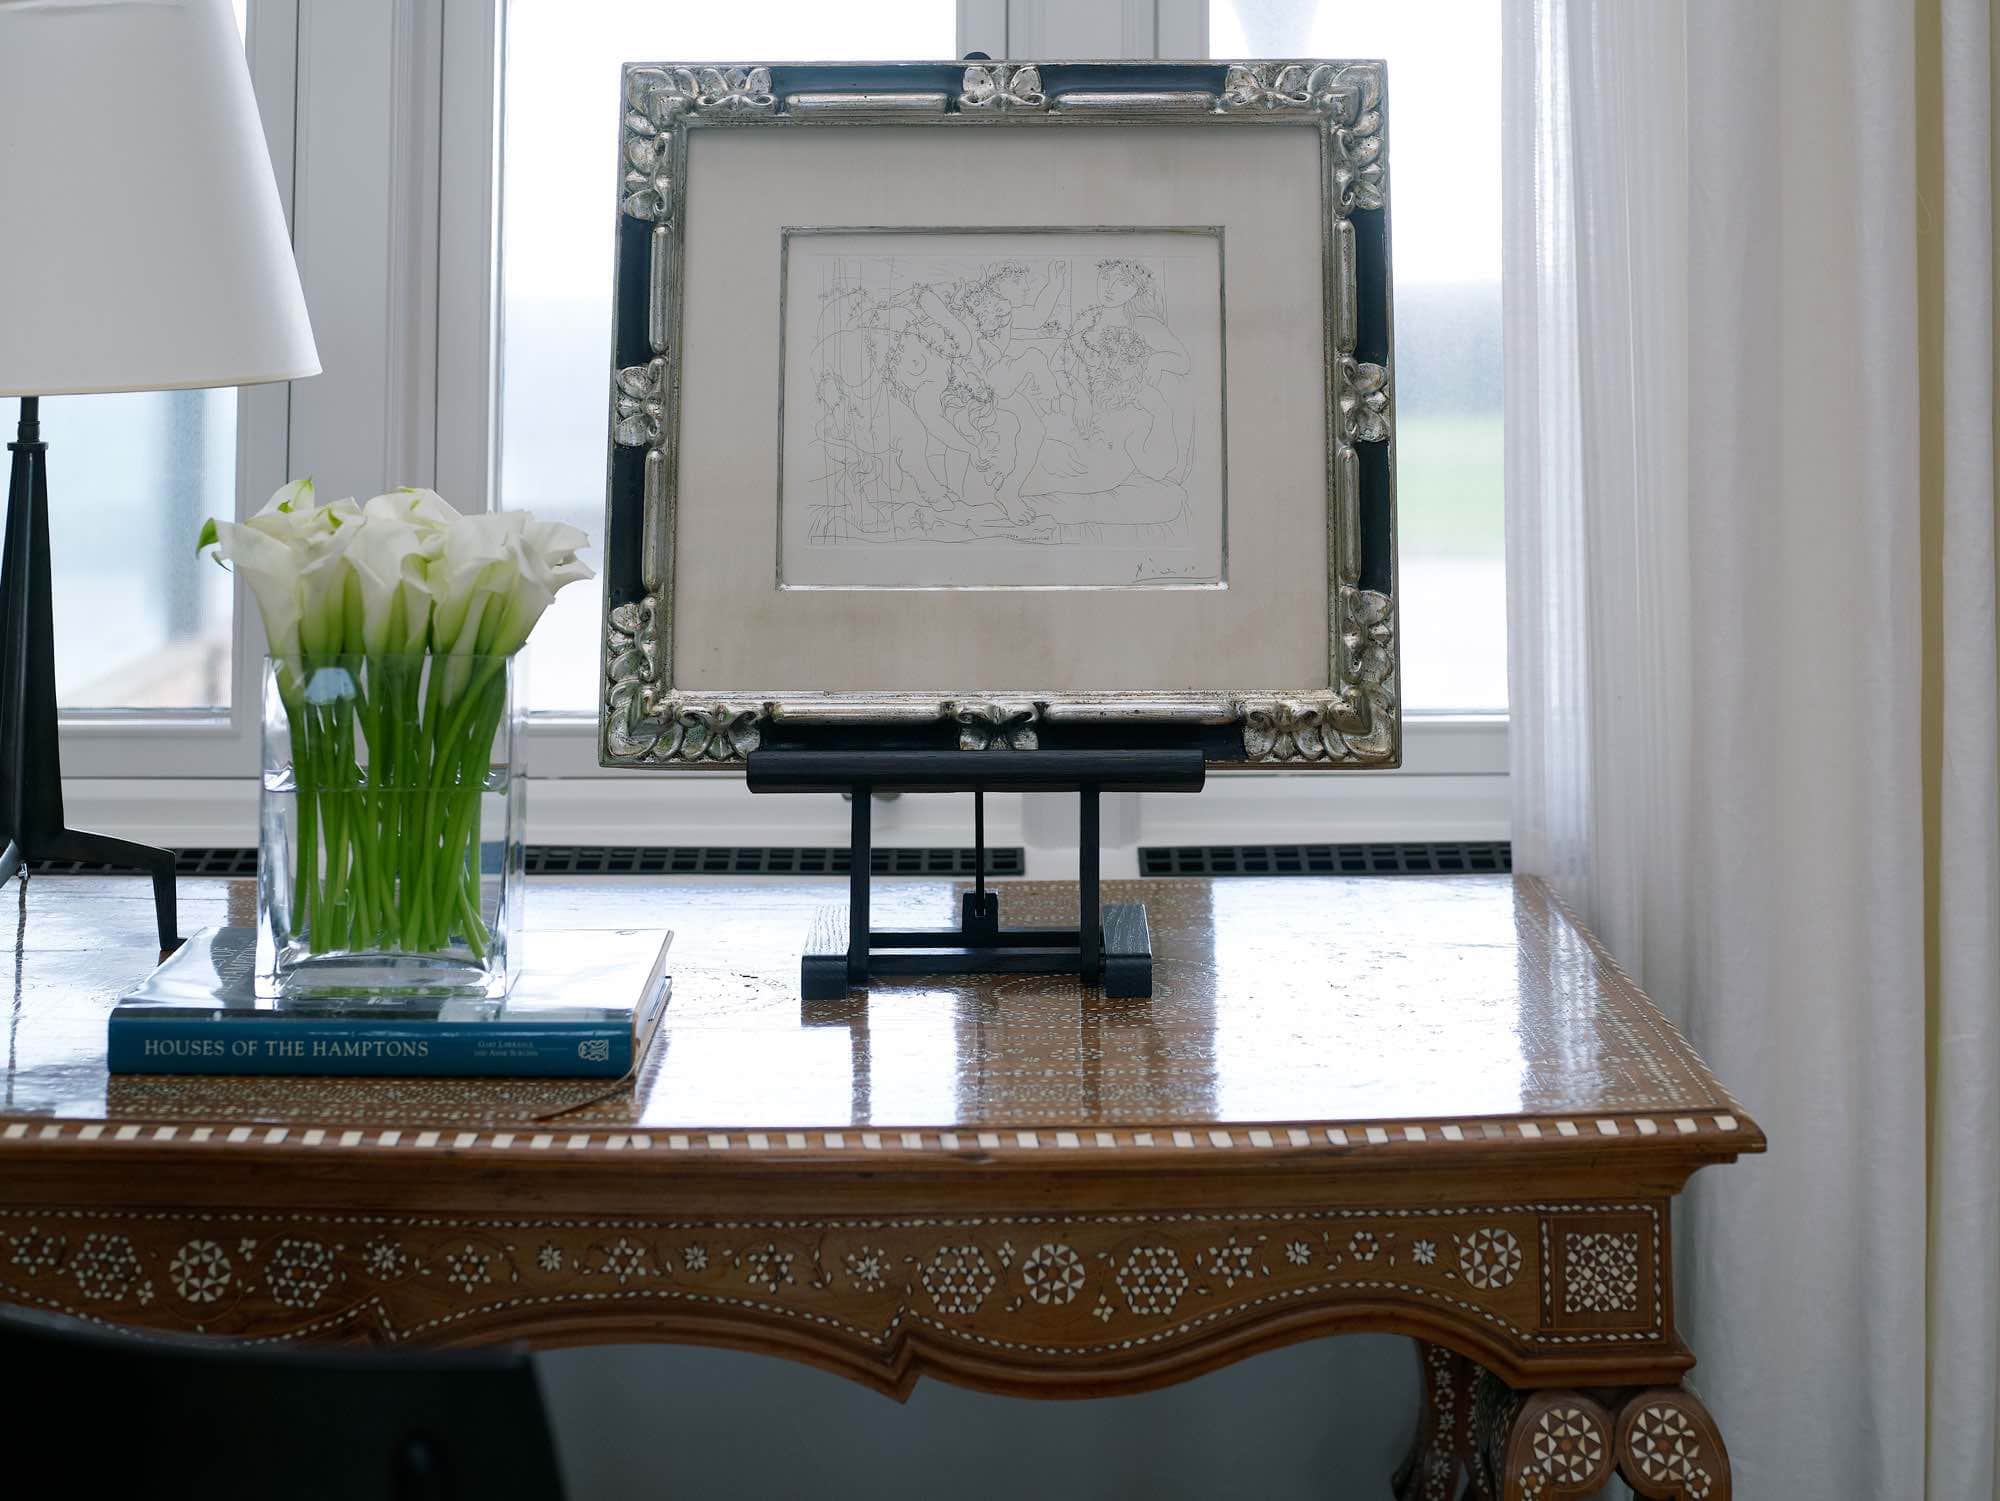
point(555, 258)
point(455, 246)
point(1444, 122)
point(561, 90)
point(140, 621)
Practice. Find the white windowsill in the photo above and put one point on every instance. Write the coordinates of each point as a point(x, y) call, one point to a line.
point(1453, 786)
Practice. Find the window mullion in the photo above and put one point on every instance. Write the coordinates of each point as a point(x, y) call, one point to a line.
point(1180, 29)
point(982, 27)
point(365, 228)
point(1060, 30)
point(468, 239)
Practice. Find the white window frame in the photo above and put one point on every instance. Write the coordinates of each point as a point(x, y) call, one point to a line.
point(384, 128)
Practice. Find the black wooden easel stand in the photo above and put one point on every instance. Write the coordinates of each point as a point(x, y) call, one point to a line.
point(1109, 946)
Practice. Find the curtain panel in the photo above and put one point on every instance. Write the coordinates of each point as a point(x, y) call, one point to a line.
point(1750, 531)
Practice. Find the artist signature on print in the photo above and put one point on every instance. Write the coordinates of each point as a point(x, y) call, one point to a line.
point(1150, 571)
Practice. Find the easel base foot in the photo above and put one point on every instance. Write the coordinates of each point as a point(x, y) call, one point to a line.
point(1127, 954)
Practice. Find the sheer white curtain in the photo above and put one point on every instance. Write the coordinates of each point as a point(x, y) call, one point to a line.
point(1750, 526)
point(1964, 1374)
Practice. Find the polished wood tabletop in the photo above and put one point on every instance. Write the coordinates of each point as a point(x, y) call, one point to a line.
point(1426, 1104)
point(1334, 1001)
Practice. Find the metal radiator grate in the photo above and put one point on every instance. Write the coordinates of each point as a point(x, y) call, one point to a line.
point(644, 860)
point(945, 861)
point(189, 862)
point(1327, 859)
point(773, 860)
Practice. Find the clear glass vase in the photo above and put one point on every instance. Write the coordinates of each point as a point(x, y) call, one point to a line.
point(391, 855)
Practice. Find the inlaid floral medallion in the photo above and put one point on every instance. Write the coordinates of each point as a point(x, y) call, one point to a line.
point(1668, 1448)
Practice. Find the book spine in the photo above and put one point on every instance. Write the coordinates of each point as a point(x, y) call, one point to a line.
point(438, 1049)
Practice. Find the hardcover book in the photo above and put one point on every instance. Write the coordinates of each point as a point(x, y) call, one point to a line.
point(586, 1005)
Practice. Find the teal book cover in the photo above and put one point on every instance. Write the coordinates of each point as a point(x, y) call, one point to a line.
point(586, 1005)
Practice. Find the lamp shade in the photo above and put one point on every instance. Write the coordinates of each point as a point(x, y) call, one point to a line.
point(142, 243)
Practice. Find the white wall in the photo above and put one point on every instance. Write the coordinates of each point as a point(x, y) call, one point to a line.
point(1329, 1418)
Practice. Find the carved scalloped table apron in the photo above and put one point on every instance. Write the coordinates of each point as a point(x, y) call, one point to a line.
point(1427, 1105)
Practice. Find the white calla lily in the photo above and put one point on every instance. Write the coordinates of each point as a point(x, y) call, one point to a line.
point(391, 563)
point(296, 496)
point(399, 572)
point(545, 559)
point(270, 568)
point(426, 510)
point(286, 554)
point(476, 568)
point(322, 536)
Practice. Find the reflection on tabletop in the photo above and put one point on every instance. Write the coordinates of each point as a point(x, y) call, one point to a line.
point(1276, 1000)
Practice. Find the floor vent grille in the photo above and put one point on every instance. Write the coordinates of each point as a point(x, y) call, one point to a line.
point(1483, 858)
point(642, 860)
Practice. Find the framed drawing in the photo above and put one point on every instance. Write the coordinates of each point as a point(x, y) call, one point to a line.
point(1002, 406)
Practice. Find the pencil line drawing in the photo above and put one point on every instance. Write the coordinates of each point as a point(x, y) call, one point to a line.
point(1041, 408)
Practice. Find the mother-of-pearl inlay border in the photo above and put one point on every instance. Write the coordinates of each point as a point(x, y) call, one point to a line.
point(478, 1264)
point(969, 1144)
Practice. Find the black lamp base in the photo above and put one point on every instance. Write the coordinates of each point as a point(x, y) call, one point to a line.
point(31, 805)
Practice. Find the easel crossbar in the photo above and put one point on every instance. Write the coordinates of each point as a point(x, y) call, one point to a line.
point(835, 961)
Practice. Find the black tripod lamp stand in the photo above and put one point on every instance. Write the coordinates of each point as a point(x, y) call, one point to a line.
point(31, 801)
point(187, 281)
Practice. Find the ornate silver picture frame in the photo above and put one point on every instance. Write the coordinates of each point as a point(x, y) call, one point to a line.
point(1347, 717)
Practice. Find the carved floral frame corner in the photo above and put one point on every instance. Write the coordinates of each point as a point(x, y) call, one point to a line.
point(1351, 721)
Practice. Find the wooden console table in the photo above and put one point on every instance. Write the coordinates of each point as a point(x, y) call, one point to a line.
point(1429, 1106)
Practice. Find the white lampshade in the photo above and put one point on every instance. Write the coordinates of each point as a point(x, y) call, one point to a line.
point(142, 244)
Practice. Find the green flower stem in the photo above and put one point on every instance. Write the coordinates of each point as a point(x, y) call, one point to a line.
point(363, 898)
point(405, 779)
point(450, 769)
point(339, 803)
point(389, 772)
point(473, 762)
point(338, 934)
point(318, 802)
point(306, 850)
point(379, 871)
point(476, 936)
point(419, 831)
point(394, 776)
point(423, 797)
point(448, 747)
point(408, 772)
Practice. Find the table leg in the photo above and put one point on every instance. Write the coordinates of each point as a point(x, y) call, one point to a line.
point(1443, 1449)
point(1669, 1448)
point(1545, 1445)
